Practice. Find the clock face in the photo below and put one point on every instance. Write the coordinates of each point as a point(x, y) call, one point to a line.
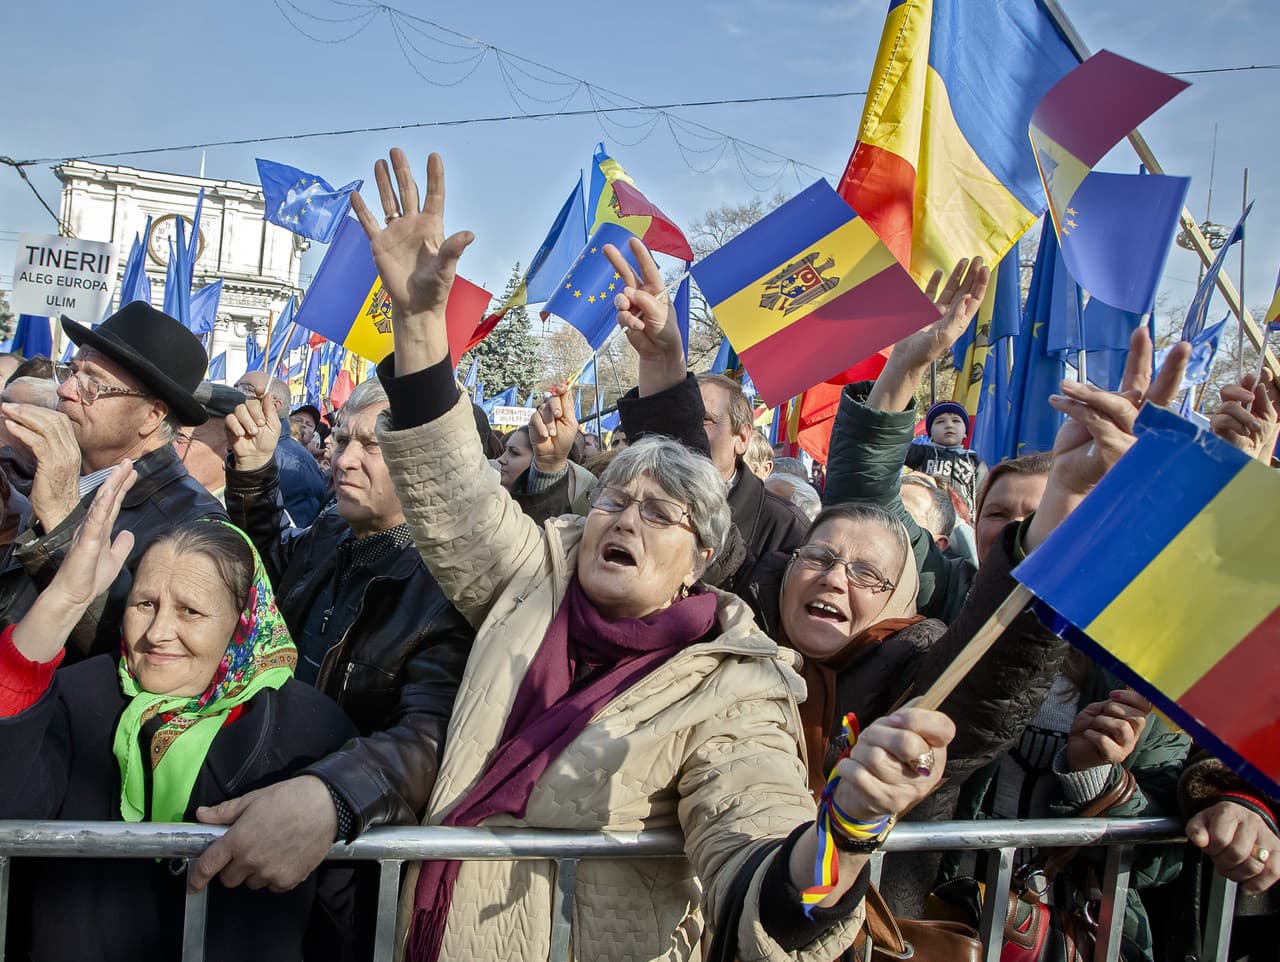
point(165, 230)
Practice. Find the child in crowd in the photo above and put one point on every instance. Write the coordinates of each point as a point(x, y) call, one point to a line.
point(944, 455)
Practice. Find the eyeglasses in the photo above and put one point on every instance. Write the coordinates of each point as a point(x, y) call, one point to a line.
point(861, 575)
point(89, 387)
point(656, 511)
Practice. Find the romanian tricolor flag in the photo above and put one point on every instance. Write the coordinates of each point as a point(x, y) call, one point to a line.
point(347, 304)
point(615, 199)
point(942, 168)
point(808, 291)
point(1171, 569)
point(1114, 229)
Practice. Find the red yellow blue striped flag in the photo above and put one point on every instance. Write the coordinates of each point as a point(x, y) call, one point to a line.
point(942, 168)
point(1169, 574)
point(808, 291)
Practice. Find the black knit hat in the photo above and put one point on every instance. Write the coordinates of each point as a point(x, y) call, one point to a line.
point(946, 407)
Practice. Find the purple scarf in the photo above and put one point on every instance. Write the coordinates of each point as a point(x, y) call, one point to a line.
point(548, 713)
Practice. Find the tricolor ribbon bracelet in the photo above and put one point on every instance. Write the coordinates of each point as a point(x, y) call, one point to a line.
point(832, 823)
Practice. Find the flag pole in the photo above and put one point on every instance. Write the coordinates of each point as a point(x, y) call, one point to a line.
point(972, 653)
point(288, 336)
point(1198, 242)
point(595, 358)
point(1244, 204)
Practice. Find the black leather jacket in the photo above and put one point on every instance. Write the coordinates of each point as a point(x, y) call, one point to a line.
point(395, 669)
point(164, 496)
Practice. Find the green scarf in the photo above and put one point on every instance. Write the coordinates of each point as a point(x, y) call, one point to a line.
point(260, 655)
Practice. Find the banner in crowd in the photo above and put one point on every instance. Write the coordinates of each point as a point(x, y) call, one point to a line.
point(1171, 570)
point(347, 304)
point(55, 275)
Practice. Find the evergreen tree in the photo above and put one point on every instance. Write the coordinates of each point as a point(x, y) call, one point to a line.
point(509, 355)
point(8, 322)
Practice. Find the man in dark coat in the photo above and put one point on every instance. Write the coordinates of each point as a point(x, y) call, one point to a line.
point(300, 478)
point(374, 632)
point(125, 394)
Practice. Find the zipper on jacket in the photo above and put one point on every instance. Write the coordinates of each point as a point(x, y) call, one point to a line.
point(339, 646)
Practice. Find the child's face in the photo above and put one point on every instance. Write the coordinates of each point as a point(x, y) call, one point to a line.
point(948, 430)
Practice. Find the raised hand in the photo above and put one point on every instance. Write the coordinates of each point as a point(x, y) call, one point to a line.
point(959, 302)
point(885, 772)
point(92, 562)
point(253, 430)
point(1107, 732)
point(1099, 427)
point(1249, 416)
point(416, 262)
point(645, 312)
point(552, 431)
point(55, 491)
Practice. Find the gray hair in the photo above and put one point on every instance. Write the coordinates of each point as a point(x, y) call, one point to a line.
point(942, 512)
point(367, 394)
point(799, 492)
point(685, 475)
point(792, 466)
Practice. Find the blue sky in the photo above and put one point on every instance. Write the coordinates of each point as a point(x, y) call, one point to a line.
point(87, 78)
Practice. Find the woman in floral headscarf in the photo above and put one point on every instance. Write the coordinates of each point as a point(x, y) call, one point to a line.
point(201, 706)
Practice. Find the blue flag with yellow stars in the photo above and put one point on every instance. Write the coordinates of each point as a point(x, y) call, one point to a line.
point(303, 203)
point(584, 298)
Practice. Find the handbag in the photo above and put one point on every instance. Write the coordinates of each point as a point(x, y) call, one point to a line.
point(1035, 931)
point(922, 940)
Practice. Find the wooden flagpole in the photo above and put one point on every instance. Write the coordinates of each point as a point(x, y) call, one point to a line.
point(1198, 241)
point(972, 653)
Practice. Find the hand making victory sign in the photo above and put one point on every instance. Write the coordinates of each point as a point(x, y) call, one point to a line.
point(415, 260)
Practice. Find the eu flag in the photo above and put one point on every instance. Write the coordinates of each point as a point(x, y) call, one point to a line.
point(135, 285)
point(311, 382)
point(177, 286)
point(253, 356)
point(1037, 371)
point(303, 203)
point(218, 368)
point(204, 307)
point(1199, 309)
point(584, 297)
point(33, 337)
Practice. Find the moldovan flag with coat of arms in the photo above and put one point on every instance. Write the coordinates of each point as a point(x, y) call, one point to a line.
point(942, 168)
point(346, 302)
point(808, 291)
point(1168, 574)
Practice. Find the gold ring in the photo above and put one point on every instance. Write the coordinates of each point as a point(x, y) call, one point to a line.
point(923, 764)
point(390, 217)
point(1261, 854)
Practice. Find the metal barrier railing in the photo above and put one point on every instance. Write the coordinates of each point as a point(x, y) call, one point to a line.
point(392, 847)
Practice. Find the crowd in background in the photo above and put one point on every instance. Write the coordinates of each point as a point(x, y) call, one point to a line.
point(302, 624)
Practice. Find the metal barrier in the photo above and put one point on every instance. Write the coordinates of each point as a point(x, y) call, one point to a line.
point(392, 847)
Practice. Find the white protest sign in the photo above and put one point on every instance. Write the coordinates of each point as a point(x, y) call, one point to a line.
point(63, 275)
point(515, 417)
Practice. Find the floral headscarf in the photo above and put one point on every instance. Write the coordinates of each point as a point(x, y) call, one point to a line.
point(260, 655)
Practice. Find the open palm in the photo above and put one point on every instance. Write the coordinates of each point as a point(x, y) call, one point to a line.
point(416, 262)
point(94, 560)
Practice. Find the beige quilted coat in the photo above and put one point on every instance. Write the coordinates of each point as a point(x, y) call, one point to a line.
point(709, 742)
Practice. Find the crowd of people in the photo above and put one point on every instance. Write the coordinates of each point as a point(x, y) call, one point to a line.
point(300, 625)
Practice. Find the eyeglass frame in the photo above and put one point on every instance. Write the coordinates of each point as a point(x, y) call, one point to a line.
point(629, 501)
point(881, 585)
point(63, 372)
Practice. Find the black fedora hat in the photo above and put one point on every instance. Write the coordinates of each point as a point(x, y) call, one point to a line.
point(156, 349)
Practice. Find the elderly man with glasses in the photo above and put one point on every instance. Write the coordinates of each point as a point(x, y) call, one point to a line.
point(125, 394)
